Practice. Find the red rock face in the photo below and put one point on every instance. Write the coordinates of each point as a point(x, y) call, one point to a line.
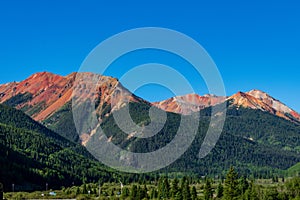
point(188, 103)
point(102, 89)
point(50, 92)
point(253, 99)
point(281, 109)
point(248, 101)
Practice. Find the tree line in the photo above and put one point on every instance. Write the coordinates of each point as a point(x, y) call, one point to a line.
point(233, 187)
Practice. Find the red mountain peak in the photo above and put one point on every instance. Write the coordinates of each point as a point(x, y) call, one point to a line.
point(189, 103)
point(46, 92)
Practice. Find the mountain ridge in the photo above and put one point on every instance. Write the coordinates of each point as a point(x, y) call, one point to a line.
point(50, 92)
point(44, 93)
point(254, 99)
point(252, 136)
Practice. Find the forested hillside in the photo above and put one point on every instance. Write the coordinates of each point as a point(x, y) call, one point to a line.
point(257, 142)
point(32, 155)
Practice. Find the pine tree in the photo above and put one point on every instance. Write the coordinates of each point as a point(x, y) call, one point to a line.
point(139, 193)
point(112, 193)
point(293, 187)
point(153, 193)
point(77, 191)
point(271, 194)
point(220, 190)
point(178, 196)
point(175, 188)
point(167, 187)
point(208, 190)
point(243, 185)
point(125, 192)
point(231, 185)
point(251, 193)
point(183, 181)
point(142, 192)
point(84, 189)
point(134, 192)
point(186, 193)
point(194, 193)
point(275, 179)
point(160, 188)
point(163, 188)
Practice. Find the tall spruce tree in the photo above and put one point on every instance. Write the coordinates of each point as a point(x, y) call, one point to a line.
point(163, 188)
point(220, 190)
point(208, 190)
point(175, 188)
point(243, 185)
point(251, 193)
point(186, 192)
point(134, 192)
point(231, 190)
point(194, 193)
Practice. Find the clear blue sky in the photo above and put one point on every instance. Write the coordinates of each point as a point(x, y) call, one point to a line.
point(255, 44)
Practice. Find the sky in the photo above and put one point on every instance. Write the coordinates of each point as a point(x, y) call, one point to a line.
point(255, 44)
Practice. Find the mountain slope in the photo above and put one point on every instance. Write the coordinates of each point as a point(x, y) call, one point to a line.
point(254, 99)
point(188, 103)
point(278, 106)
point(32, 155)
point(293, 170)
point(37, 93)
point(254, 141)
point(47, 97)
point(260, 135)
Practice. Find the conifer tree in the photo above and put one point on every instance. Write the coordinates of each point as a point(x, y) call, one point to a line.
point(208, 190)
point(175, 188)
point(153, 193)
point(77, 191)
point(194, 193)
point(186, 193)
point(220, 190)
point(125, 192)
point(178, 196)
point(231, 185)
point(84, 189)
point(142, 192)
point(243, 185)
point(251, 193)
point(163, 188)
point(133, 193)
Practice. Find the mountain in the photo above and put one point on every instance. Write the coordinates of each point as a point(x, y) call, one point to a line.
point(260, 135)
point(280, 108)
point(254, 99)
point(188, 103)
point(39, 95)
point(47, 97)
point(32, 155)
point(254, 141)
point(42, 94)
